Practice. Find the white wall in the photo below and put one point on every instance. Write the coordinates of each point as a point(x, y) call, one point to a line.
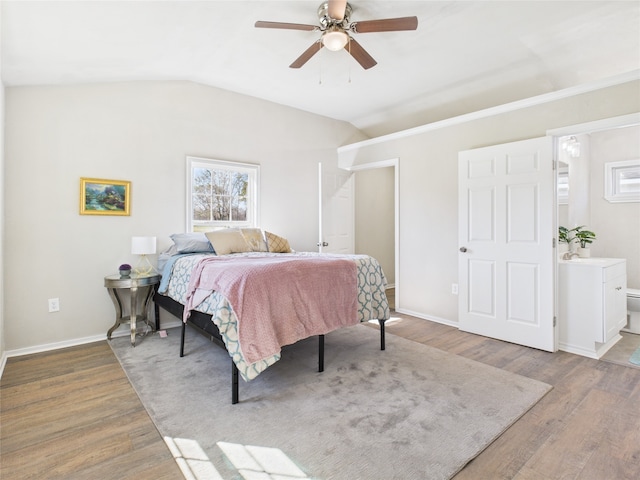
point(140, 132)
point(375, 217)
point(616, 225)
point(429, 184)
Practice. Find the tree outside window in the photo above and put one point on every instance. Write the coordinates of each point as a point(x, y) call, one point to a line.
point(221, 194)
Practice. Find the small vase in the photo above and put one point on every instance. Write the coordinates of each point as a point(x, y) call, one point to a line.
point(125, 273)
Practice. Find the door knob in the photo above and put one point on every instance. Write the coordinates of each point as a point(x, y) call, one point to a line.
point(323, 244)
point(463, 249)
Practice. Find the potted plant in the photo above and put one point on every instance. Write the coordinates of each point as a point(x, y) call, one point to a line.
point(585, 238)
point(565, 239)
point(125, 270)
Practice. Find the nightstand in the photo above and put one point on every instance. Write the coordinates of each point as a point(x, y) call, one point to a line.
point(139, 287)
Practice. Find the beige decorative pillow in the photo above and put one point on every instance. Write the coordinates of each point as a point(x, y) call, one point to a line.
point(255, 239)
point(277, 244)
point(227, 241)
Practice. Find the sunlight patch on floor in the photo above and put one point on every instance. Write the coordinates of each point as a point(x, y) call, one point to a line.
point(193, 462)
point(261, 463)
point(253, 463)
point(387, 322)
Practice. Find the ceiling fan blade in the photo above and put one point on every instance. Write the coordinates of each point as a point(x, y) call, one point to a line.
point(337, 9)
point(360, 54)
point(286, 26)
point(306, 55)
point(386, 25)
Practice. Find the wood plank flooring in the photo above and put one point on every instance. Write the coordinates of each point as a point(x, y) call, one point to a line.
point(72, 414)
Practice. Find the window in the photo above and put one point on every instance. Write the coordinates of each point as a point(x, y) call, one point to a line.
point(221, 194)
point(622, 181)
point(563, 185)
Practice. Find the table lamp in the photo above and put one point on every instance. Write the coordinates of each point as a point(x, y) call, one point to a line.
point(143, 246)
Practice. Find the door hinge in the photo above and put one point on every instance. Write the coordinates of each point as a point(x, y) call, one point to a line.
point(555, 321)
point(553, 242)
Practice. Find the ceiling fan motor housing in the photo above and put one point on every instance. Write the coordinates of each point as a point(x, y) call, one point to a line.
point(326, 21)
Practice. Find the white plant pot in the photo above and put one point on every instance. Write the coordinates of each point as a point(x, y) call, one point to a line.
point(584, 252)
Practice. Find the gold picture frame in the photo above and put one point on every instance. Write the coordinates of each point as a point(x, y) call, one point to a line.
point(105, 197)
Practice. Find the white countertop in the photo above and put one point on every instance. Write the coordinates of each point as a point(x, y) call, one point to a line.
point(599, 261)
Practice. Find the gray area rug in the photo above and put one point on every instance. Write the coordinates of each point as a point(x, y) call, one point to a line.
point(409, 412)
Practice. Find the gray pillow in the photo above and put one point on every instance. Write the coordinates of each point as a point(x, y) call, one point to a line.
point(196, 242)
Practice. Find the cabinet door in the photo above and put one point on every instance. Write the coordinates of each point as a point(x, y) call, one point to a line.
point(615, 307)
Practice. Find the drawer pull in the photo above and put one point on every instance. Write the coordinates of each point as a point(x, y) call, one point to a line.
point(618, 288)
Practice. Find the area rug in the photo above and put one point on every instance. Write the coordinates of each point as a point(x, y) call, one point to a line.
point(635, 357)
point(408, 412)
point(626, 352)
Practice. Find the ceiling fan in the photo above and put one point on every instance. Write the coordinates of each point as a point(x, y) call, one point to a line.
point(336, 26)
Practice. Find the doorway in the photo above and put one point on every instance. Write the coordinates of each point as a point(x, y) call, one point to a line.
point(376, 218)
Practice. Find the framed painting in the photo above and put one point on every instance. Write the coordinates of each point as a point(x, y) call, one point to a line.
point(104, 197)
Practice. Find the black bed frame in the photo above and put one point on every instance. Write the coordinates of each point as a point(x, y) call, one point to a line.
point(202, 323)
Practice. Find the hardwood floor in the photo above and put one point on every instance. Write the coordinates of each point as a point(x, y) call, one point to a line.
point(73, 414)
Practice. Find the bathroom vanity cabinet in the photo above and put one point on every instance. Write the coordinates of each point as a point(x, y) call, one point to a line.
point(592, 304)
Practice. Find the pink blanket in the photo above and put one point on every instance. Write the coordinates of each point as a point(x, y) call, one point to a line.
point(279, 300)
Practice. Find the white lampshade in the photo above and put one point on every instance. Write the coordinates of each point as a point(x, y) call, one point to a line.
point(143, 245)
point(335, 40)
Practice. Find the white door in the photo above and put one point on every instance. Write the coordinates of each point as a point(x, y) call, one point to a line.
point(335, 232)
point(506, 234)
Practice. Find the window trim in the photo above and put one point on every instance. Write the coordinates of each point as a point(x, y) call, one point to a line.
point(253, 213)
point(611, 185)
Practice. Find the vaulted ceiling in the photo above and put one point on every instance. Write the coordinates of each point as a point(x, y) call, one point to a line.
point(463, 57)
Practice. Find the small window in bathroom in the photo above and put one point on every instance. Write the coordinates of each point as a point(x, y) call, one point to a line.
point(622, 181)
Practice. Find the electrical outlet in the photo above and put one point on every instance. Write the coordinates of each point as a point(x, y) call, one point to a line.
point(454, 288)
point(54, 305)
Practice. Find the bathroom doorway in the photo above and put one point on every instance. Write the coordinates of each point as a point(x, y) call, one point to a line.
point(586, 155)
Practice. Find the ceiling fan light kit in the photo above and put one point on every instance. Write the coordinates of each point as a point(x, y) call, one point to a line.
point(334, 39)
point(334, 18)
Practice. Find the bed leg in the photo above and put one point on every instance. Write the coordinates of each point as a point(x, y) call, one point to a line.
point(184, 327)
point(381, 322)
point(234, 383)
point(321, 353)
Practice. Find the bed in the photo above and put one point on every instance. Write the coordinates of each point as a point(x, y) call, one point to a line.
point(253, 303)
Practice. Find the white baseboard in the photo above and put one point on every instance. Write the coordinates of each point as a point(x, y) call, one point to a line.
point(3, 362)
point(55, 346)
point(431, 318)
point(47, 347)
point(597, 352)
